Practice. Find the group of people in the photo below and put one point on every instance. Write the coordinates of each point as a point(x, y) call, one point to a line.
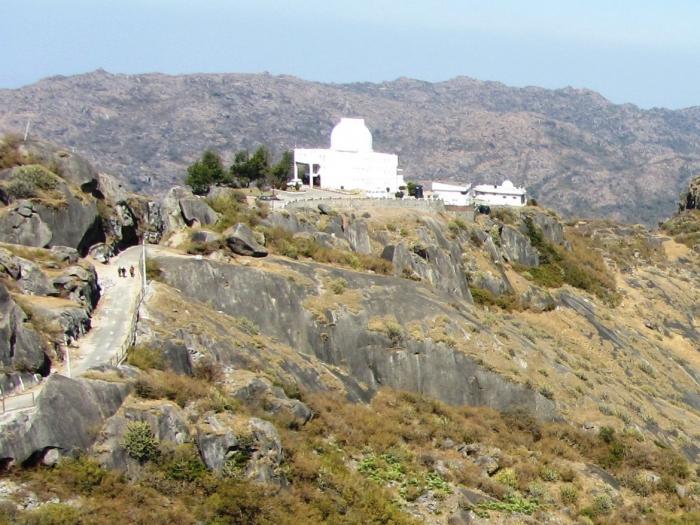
point(122, 271)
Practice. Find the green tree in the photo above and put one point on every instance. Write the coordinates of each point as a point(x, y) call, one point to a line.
point(251, 168)
point(280, 173)
point(205, 172)
point(411, 187)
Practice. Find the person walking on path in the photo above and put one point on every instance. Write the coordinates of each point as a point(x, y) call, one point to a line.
point(132, 271)
point(119, 271)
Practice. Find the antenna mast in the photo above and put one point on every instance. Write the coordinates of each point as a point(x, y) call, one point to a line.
point(26, 130)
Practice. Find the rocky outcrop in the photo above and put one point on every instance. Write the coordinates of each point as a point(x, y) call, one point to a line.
point(197, 212)
point(259, 392)
point(22, 224)
point(21, 347)
point(517, 248)
point(179, 208)
point(241, 240)
point(236, 446)
point(690, 199)
point(67, 414)
point(79, 283)
point(166, 420)
point(72, 167)
point(272, 302)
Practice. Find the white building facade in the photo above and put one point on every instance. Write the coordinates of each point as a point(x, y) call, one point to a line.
point(504, 195)
point(350, 163)
point(450, 194)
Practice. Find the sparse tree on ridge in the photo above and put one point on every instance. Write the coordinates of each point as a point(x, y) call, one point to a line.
point(205, 172)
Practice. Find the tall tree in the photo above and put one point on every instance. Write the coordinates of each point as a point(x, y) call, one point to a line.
point(282, 171)
point(251, 168)
point(205, 172)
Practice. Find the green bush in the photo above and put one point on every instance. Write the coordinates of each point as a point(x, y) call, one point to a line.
point(568, 494)
point(483, 297)
point(140, 443)
point(30, 181)
point(145, 357)
point(51, 514)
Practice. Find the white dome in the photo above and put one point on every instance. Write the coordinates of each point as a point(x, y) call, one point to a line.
point(351, 134)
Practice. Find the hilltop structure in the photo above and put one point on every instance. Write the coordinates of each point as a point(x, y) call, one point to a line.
point(507, 194)
point(350, 163)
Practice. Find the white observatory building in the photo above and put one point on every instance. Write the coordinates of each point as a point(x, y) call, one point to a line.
point(350, 163)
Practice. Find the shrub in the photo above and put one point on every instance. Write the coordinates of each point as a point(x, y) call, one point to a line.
point(338, 286)
point(207, 369)
point(145, 357)
point(9, 153)
point(51, 514)
point(30, 181)
point(140, 443)
point(483, 297)
point(156, 384)
point(568, 494)
point(507, 477)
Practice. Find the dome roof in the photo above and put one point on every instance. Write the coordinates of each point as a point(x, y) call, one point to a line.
point(351, 134)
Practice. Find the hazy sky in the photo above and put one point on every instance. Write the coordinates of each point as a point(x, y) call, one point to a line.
point(645, 52)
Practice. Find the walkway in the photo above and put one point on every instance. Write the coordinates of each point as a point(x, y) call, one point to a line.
point(113, 317)
point(111, 324)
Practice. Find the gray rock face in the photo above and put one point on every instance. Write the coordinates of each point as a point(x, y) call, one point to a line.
point(23, 225)
point(272, 302)
point(20, 345)
point(495, 284)
point(77, 224)
point(66, 415)
point(71, 166)
point(251, 447)
point(195, 210)
point(357, 235)
point(205, 236)
point(166, 420)
point(552, 229)
point(30, 279)
point(241, 240)
point(259, 391)
point(79, 283)
point(171, 213)
point(538, 300)
point(112, 189)
point(65, 254)
point(517, 247)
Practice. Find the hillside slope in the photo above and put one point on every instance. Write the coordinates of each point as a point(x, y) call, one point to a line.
point(577, 152)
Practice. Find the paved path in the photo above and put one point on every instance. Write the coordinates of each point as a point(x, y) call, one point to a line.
point(111, 320)
point(110, 324)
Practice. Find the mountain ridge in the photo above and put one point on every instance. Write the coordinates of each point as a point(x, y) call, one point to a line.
point(575, 150)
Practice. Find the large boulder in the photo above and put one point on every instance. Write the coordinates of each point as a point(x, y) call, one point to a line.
point(249, 448)
point(260, 393)
point(167, 422)
point(21, 347)
point(241, 240)
point(22, 224)
point(79, 283)
point(67, 414)
point(196, 211)
point(70, 166)
point(517, 248)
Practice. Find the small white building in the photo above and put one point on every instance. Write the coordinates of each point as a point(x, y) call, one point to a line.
point(350, 163)
point(504, 195)
point(450, 194)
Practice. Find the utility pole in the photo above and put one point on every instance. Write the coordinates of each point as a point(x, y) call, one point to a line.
point(26, 130)
point(68, 361)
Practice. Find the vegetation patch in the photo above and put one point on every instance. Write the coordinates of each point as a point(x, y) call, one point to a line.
point(283, 242)
point(583, 267)
point(483, 297)
point(32, 181)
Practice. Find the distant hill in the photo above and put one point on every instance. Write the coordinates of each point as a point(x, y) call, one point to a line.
point(576, 152)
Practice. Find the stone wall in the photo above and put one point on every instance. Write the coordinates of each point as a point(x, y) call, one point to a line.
point(343, 202)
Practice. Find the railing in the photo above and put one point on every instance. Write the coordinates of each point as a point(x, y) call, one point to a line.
point(130, 338)
point(362, 201)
